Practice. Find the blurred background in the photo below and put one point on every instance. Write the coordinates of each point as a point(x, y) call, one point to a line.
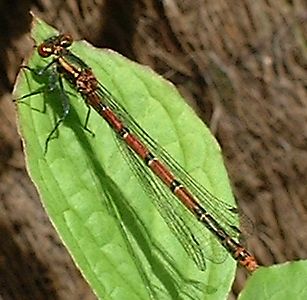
point(240, 64)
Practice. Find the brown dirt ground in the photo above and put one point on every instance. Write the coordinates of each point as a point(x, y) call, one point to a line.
point(240, 64)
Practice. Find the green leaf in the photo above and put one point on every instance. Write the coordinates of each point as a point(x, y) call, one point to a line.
point(104, 216)
point(284, 281)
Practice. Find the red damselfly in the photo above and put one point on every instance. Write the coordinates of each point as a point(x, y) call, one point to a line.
point(204, 208)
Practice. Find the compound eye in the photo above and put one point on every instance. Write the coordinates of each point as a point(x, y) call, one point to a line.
point(66, 40)
point(44, 51)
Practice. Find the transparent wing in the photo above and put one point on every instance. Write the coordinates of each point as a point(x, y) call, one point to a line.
point(226, 214)
point(193, 236)
point(188, 230)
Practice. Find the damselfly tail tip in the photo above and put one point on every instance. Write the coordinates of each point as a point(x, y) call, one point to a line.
point(245, 259)
point(250, 264)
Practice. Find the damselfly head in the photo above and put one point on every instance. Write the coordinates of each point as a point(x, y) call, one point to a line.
point(55, 45)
